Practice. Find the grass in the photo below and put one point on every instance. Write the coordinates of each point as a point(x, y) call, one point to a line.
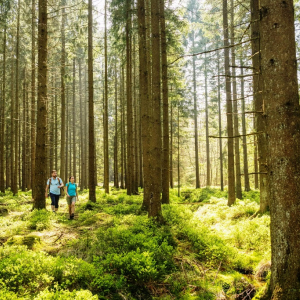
point(206, 250)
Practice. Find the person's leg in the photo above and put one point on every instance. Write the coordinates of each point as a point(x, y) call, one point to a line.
point(70, 210)
point(56, 202)
point(52, 197)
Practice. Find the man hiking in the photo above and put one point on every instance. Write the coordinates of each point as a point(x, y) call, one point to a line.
point(55, 184)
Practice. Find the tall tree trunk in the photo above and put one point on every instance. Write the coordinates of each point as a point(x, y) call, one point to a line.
point(83, 167)
point(235, 113)
point(16, 116)
point(281, 100)
point(122, 129)
point(74, 120)
point(195, 117)
point(156, 142)
point(171, 149)
point(116, 173)
point(260, 117)
point(12, 128)
point(165, 95)
point(28, 142)
point(41, 133)
point(144, 96)
point(208, 167)
point(231, 176)
point(24, 170)
point(105, 121)
point(33, 92)
point(92, 183)
point(130, 152)
point(220, 126)
point(2, 113)
point(245, 148)
point(63, 95)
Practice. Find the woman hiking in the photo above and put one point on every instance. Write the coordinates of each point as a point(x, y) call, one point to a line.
point(72, 196)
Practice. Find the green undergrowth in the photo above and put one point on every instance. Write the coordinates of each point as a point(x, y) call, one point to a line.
point(112, 250)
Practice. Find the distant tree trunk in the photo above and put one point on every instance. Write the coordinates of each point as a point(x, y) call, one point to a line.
point(130, 152)
point(208, 167)
point(85, 130)
point(220, 126)
point(67, 138)
point(41, 134)
point(235, 113)
point(52, 132)
point(63, 96)
point(231, 176)
point(16, 115)
point(281, 100)
point(12, 128)
point(156, 142)
point(260, 117)
point(178, 146)
point(135, 131)
point(144, 96)
point(28, 142)
point(33, 92)
point(116, 173)
point(122, 128)
point(92, 183)
point(2, 113)
point(245, 150)
point(55, 130)
point(74, 120)
point(105, 120)
point(165, 95)
point(195, 117)
point(171, 149)
point(24, 170)
point(83, 167)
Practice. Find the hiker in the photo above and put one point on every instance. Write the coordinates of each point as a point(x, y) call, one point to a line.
point(56, 189)
point(72, 196)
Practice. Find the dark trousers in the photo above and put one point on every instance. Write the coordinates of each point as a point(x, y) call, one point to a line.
point(54, 200)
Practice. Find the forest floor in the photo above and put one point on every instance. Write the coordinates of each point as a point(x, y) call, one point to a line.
point(112, 250)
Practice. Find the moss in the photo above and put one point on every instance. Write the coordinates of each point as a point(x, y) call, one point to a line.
point(30, 241)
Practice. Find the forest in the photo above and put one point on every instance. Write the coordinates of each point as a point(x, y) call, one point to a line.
point(149, 149)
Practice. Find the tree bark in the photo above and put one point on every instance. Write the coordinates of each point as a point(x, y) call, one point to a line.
point(105, 120)
point(165, 95)
point(260, 118)
point(41, 133)
point(231, 175)
point(156, 142)
point(208, 166)
point(195, 117)
point(130, 146)
point(16, 115)
point(281, 100)
point(33, 92)
point(235, 114)
point(245, 148)
point(63, 170)
point(220, 127)
point(73, 126)
point(116, 166)
point(83, 162)
point(144, 96)
point(3, 123)
point(92, 183)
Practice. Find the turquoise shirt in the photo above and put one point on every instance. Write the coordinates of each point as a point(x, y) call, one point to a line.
point(54, 185)
point(71, 189)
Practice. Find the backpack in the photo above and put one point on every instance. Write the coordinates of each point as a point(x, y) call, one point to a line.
point(62, 190)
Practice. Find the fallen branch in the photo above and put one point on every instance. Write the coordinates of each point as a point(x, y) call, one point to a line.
point(209, 51)
point(236, 136)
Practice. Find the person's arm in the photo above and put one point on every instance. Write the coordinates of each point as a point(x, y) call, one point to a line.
point(61, 183)
point(67, 190)
point(46, 191)
point(77, 193)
